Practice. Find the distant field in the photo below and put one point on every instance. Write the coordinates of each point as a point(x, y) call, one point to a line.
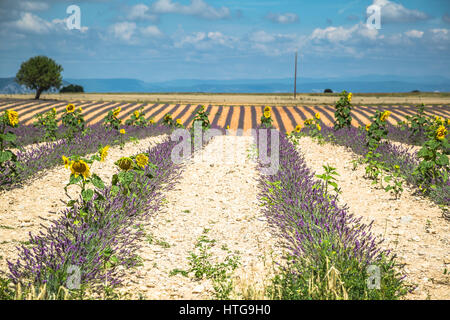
point(237, 116)
point(252, 99)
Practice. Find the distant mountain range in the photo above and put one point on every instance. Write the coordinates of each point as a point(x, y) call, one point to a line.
point(368, 83)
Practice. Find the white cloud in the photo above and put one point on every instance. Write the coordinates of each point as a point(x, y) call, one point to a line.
point(29, 22)
point(414, 34)
point(439, 35)
point(206, 40)
point(395, 12)
point(262, 37)
point(282, 18)
point(151, 31)
point(123, 30)
point(333, 34)
point(196, 8)
point(141, 12)
point(341, 34)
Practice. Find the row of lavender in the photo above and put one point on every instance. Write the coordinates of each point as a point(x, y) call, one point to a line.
point(47, 155)
point(391, 155)
point(332, 254)
point(100, 244)
point(100, 236)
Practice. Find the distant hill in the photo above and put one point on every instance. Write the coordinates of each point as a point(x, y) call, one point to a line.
point(368, 83)
point(10, 86)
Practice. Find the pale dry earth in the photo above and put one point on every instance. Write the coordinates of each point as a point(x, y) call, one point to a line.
point(217, 191)
point(413, 227)
point(248, 99)
point(39, 201)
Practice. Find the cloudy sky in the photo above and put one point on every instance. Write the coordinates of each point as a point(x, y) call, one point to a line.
point(162, 40)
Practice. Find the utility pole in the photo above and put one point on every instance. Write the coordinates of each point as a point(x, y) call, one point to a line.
point(295, 76)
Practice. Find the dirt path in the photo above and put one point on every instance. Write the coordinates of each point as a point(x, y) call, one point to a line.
point(413, 227)
point(22, 210)
point(217, 194)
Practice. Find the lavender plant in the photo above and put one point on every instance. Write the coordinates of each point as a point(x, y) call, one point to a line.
point(322, 238)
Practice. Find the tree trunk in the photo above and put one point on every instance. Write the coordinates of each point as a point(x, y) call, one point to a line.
point(38, 94)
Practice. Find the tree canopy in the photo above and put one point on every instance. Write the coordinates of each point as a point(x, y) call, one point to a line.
point(40, 73)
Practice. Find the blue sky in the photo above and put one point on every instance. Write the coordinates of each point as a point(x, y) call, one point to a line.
point(230, 39)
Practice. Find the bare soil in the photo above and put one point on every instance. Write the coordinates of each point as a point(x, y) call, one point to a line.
point(413, 227)
point(39, 201)
point(217, 191)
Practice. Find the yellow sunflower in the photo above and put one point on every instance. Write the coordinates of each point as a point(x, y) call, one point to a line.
point(117, 111)
point(319, 127)
point(317, 115)
point(125, 163)
point(142, 160)
point(70, 108)
point(80, 167)
point(66, 161)
point(103, 153)
point(122, 131)
point(136, 114)
point(13, 117)
point(228, 127)
point(367, 127)
point(54, 110)
point(168, 116)
point(267, 109)
point(441, 132)
point(298, 128)
point(267, 114)
point(178, 121)
point(349, 97)
point(81, 109)
point(151, 121)
point(385, 115)
point(287, 133)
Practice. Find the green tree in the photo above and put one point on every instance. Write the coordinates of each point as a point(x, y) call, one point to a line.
point(40, 73)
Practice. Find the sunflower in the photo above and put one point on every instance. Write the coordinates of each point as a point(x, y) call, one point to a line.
point(66, 161)
point(317, 115)
point(80, 167)
point(116, 112)
point(228, 127)
point(349, 97)
point(441, 132)
point(368, 127)
point(267, 109)
point(151, 121)
point(142, 160)
point(448, 122)
point(287, 133)
point(103, 153)
point(267, 114)
point(54, 110)
point(70, 108)
point(168, 116)
point(307, 122)
point(178, 121)
point(298, 128)
point(13, 117)
point(385, 115)
point(81, 109)
point(125, 163)
point(319, 127)
point(122, 131)
point(136, 114)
